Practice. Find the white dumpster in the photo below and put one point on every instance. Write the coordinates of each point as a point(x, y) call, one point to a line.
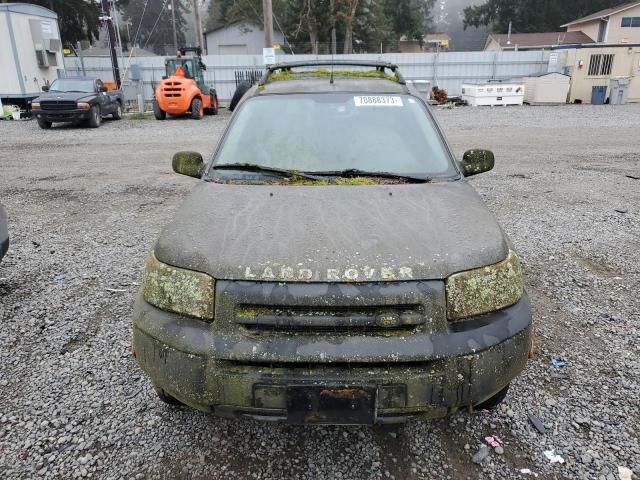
point(493, 93)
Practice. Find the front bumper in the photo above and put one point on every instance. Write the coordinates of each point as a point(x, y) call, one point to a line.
point(422, 375)
point(62, 115)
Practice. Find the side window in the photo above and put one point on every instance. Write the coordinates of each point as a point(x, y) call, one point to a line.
point(630, 22)
point(600, 65)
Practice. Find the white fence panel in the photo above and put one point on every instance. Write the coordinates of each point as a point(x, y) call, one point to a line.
point(446, 69)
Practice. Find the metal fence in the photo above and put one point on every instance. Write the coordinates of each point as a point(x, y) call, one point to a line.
point(447, 70)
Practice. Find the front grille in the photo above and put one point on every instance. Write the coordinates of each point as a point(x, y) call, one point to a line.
point(377, 319)
point(342, 309)
point(57, 105)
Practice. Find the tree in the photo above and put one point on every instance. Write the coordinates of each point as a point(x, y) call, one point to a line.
point(409, 17)
point(532, 15)
point(78, 19)
point(151, 28)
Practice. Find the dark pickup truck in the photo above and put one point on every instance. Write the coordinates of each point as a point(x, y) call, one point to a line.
point(77, 99)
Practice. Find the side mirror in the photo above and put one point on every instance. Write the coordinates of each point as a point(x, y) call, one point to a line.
point(45, 88)
point(203, 66)
point(190, 164)
point(477, 161)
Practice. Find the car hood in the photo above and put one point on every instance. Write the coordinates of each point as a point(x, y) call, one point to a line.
point(332, 233)
point(70, 96)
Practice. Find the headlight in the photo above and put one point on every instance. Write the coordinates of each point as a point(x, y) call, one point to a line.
point(484, 290)
point(178, 290)
point(84, 106)
point(35, 105)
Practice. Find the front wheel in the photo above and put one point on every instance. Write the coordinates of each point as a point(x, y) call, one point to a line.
point(196, 109)
point(44, 124)
point(493, 402)
point(157, 111)
point(117, 114)
point(165, 397)
point(95, 117)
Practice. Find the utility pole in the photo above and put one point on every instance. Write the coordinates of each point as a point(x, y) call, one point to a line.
point(106, 17)
point(267, 9)
point(117, 23)
point(173, 19)
point(196, 14)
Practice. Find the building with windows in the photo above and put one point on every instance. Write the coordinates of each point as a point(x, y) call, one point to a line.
point(592, 69)
point(431, 42)
point(613, 26)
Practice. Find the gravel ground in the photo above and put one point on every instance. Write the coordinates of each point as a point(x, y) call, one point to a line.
point(85, 206)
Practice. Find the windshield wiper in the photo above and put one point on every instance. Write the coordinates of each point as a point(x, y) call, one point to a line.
point(250, 167)
point(354, 172)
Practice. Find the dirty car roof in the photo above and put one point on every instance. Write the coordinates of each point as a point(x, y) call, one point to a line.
point(346, 79)
point(340, 84)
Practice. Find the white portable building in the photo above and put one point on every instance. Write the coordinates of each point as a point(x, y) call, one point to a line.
point(546, 89)
point(30, 51)
point(493, 93)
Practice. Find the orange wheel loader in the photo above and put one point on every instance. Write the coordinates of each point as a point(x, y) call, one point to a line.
point(183, 91)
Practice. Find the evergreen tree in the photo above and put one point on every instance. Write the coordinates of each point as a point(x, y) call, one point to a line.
point(360, 25)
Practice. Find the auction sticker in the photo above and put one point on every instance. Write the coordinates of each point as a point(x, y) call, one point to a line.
point(377, 101)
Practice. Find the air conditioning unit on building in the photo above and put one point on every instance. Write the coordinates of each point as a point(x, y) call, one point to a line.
point(52, 45)
point(41, 55)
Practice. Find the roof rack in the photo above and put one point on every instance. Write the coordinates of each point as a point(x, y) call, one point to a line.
point(379, 66)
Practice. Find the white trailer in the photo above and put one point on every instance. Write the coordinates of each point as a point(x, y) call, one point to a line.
point(493, 93)
point(30, 51)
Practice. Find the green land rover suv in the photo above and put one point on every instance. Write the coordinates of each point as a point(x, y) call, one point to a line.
point(332, 265)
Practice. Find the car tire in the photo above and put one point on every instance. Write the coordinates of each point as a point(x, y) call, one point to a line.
point(493, 402)
point(44, 124)
point(157, 111)
point(241, 89)
point(95, 117)
point(166, 398)
point(196, 109)
point(117, 114)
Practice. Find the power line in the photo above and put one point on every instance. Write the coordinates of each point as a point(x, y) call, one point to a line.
point(164, 4)
point(144, 9)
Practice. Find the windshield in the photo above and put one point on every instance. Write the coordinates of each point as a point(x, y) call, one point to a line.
point(337, 132)
point(186, 64)
point(71, 85)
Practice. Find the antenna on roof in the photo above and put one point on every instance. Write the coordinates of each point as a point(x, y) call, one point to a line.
point(509, 35)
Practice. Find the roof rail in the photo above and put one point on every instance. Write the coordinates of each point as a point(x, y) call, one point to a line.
point(379, 65)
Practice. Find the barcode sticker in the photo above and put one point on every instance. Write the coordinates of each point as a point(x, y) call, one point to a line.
point(378, 101)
